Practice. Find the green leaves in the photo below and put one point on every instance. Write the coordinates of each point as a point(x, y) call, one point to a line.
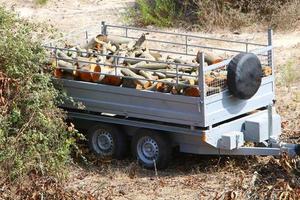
point(33, 134)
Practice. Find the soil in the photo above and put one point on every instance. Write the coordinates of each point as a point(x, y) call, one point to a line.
point(189, 176)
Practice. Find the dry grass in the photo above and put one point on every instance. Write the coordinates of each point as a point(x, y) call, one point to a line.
point(209, 15)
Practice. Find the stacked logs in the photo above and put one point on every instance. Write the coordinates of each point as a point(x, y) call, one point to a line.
point(96, 61)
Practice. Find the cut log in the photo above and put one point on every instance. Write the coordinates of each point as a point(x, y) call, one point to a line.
point(61, 54)
point(131, 83)
point(81, 52)
point(66, 67)
point(192, 92)
point(146, 55)
point(118, 40)
point(165, 86)
point(156, 55)
point(153, 66)
point(267, 71)
point(88, 69)
point(147, 75)
point(160, 75)
point(108, 77)
point(209, 58)
point(130, 73)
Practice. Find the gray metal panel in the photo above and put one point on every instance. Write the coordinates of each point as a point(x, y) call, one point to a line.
point(225, 106)
point(164, 107)
point(133, 103)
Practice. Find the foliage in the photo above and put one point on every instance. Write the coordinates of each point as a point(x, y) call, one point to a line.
point(41, 2)
point(208, 14)
point(33, 134)
point(158, 12)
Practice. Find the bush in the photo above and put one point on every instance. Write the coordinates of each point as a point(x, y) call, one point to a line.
point(208, 14)
point(159, 12)
point(33, 134)
point(41, 2)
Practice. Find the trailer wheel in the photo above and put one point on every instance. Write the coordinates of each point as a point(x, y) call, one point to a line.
point(107, 141)
point(151, 149)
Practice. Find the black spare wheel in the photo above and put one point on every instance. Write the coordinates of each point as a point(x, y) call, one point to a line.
point(244, 74)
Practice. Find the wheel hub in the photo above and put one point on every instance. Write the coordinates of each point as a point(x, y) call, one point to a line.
point(105, 141)
point(148, 150)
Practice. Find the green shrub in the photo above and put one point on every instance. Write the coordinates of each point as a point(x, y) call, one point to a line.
point(208, 14)
point(159, 12)
point(33, 134)
point(41, 2)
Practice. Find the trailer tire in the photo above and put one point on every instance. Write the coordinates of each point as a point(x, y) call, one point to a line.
point(107, 141)
point(158, 148)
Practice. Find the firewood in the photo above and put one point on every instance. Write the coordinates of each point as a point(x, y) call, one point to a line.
point(160, 75)
point(165, 86)
point(212, 90)
point(109, 76)
point(209, 58)
point(267, 71)
point(156, 55)
point(140, 41)
point(118, 40)
point(66, 67)
point(152, 87)
point(218, 81)
point(147, 75)
point(147, 56)
point(192, 91)
point(61, 54)
point(128, 72)
point(87, 68)
point(153, 66)
point(131, 83)
point(81, 52)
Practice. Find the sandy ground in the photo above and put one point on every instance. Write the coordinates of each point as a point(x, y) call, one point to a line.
point(189, 177)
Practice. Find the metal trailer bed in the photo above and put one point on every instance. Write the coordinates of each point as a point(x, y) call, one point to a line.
point(214, 123)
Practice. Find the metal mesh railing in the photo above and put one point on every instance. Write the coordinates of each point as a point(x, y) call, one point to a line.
point(207, 78)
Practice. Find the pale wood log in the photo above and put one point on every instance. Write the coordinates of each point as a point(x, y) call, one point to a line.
point(63, 55)
point(156, 55)
point(130, 73)
point(147, 56)
point(160, 75)
point(209, 58)
point(118, 40)
point(153, 66)
point(147, 75)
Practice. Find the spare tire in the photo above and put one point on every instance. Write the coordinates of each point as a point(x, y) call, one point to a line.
point(244, 74)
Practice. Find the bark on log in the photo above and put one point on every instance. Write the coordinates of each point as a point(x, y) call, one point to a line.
point(131, 83)
point(160, 75)
point(209, 58)
point(147, 75)
point(153, 66)
point(128, 72)
point(61, 54)
point(267, 71)
point(156, 55)
point(118, 40)
point(192, 91)
point(108, 77)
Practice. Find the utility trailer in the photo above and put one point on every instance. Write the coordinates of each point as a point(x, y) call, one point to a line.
point(153, 123)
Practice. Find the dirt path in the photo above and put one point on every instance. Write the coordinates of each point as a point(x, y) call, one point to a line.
point(189, 177)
